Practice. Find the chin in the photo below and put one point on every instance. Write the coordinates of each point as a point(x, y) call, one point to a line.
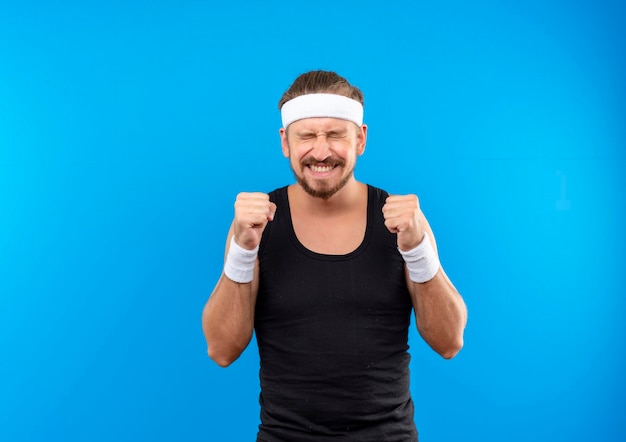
point(323, 192)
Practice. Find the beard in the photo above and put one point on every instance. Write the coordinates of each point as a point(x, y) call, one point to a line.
point(324, 191)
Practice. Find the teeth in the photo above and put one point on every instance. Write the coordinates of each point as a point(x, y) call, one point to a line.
point(321, 169)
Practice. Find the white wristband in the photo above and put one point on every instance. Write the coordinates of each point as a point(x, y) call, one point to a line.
point(422, 261)
point(239, 265)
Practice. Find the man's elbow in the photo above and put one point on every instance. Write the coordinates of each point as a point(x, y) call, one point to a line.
point(452, 349)
point(224, 356)
point(222, 362)
point(220, 358)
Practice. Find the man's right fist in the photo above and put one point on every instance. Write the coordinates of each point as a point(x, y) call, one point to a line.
point(253, 210)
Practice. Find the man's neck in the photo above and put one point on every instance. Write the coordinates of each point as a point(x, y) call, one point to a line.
point(346, 199)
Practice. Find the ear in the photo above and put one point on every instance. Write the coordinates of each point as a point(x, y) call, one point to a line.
point(283, 141)
point(361, 139)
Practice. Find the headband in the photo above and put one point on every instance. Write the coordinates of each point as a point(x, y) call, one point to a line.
point(322, 105)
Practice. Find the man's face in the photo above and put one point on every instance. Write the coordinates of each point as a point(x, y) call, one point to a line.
point(322, 153)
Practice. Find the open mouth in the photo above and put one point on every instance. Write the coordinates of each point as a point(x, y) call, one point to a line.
point(321, 169)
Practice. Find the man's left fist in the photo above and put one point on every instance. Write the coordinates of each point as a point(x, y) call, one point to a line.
point(403, 216)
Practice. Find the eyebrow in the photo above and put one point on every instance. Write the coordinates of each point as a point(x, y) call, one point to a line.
point(335, 131)
point(332, 131)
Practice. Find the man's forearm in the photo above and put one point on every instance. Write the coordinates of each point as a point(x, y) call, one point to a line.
point(228, 320)
point(440, 313)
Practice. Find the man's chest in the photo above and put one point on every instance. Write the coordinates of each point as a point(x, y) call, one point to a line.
point(337, 236)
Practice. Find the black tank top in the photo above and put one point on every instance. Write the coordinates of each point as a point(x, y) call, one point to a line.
point(332, 332)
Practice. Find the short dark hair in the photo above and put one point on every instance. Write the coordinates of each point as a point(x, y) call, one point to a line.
point(321, 82)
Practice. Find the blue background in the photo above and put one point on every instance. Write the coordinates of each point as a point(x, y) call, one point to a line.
point(127, 129)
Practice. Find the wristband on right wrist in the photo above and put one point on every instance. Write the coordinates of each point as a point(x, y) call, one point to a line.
point(239, 265)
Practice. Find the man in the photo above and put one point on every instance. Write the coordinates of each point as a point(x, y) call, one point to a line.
point(326, 271)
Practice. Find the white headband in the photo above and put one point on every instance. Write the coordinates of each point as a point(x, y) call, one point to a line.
point(322, 105)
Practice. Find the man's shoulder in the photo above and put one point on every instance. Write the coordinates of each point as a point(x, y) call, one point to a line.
point(377, 192)
point(279, 191)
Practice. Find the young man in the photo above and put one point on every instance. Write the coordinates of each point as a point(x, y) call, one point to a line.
point(326, 271)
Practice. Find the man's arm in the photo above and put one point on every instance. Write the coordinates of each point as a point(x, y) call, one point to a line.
point(440, 312)
point(228, 316)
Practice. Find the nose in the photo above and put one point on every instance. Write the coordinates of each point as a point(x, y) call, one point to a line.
point(321, 148)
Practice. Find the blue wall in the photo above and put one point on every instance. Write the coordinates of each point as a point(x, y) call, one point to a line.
point(127, 128)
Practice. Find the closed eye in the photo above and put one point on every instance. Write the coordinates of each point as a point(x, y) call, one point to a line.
point(305, 135)
point(336, 134)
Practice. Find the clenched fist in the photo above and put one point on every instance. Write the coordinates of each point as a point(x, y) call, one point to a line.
point(403, 216)
point(253, 210)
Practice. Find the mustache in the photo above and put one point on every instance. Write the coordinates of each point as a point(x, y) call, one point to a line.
point(310, 161)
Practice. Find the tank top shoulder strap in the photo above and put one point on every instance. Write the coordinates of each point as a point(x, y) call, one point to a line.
point(280, 198)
